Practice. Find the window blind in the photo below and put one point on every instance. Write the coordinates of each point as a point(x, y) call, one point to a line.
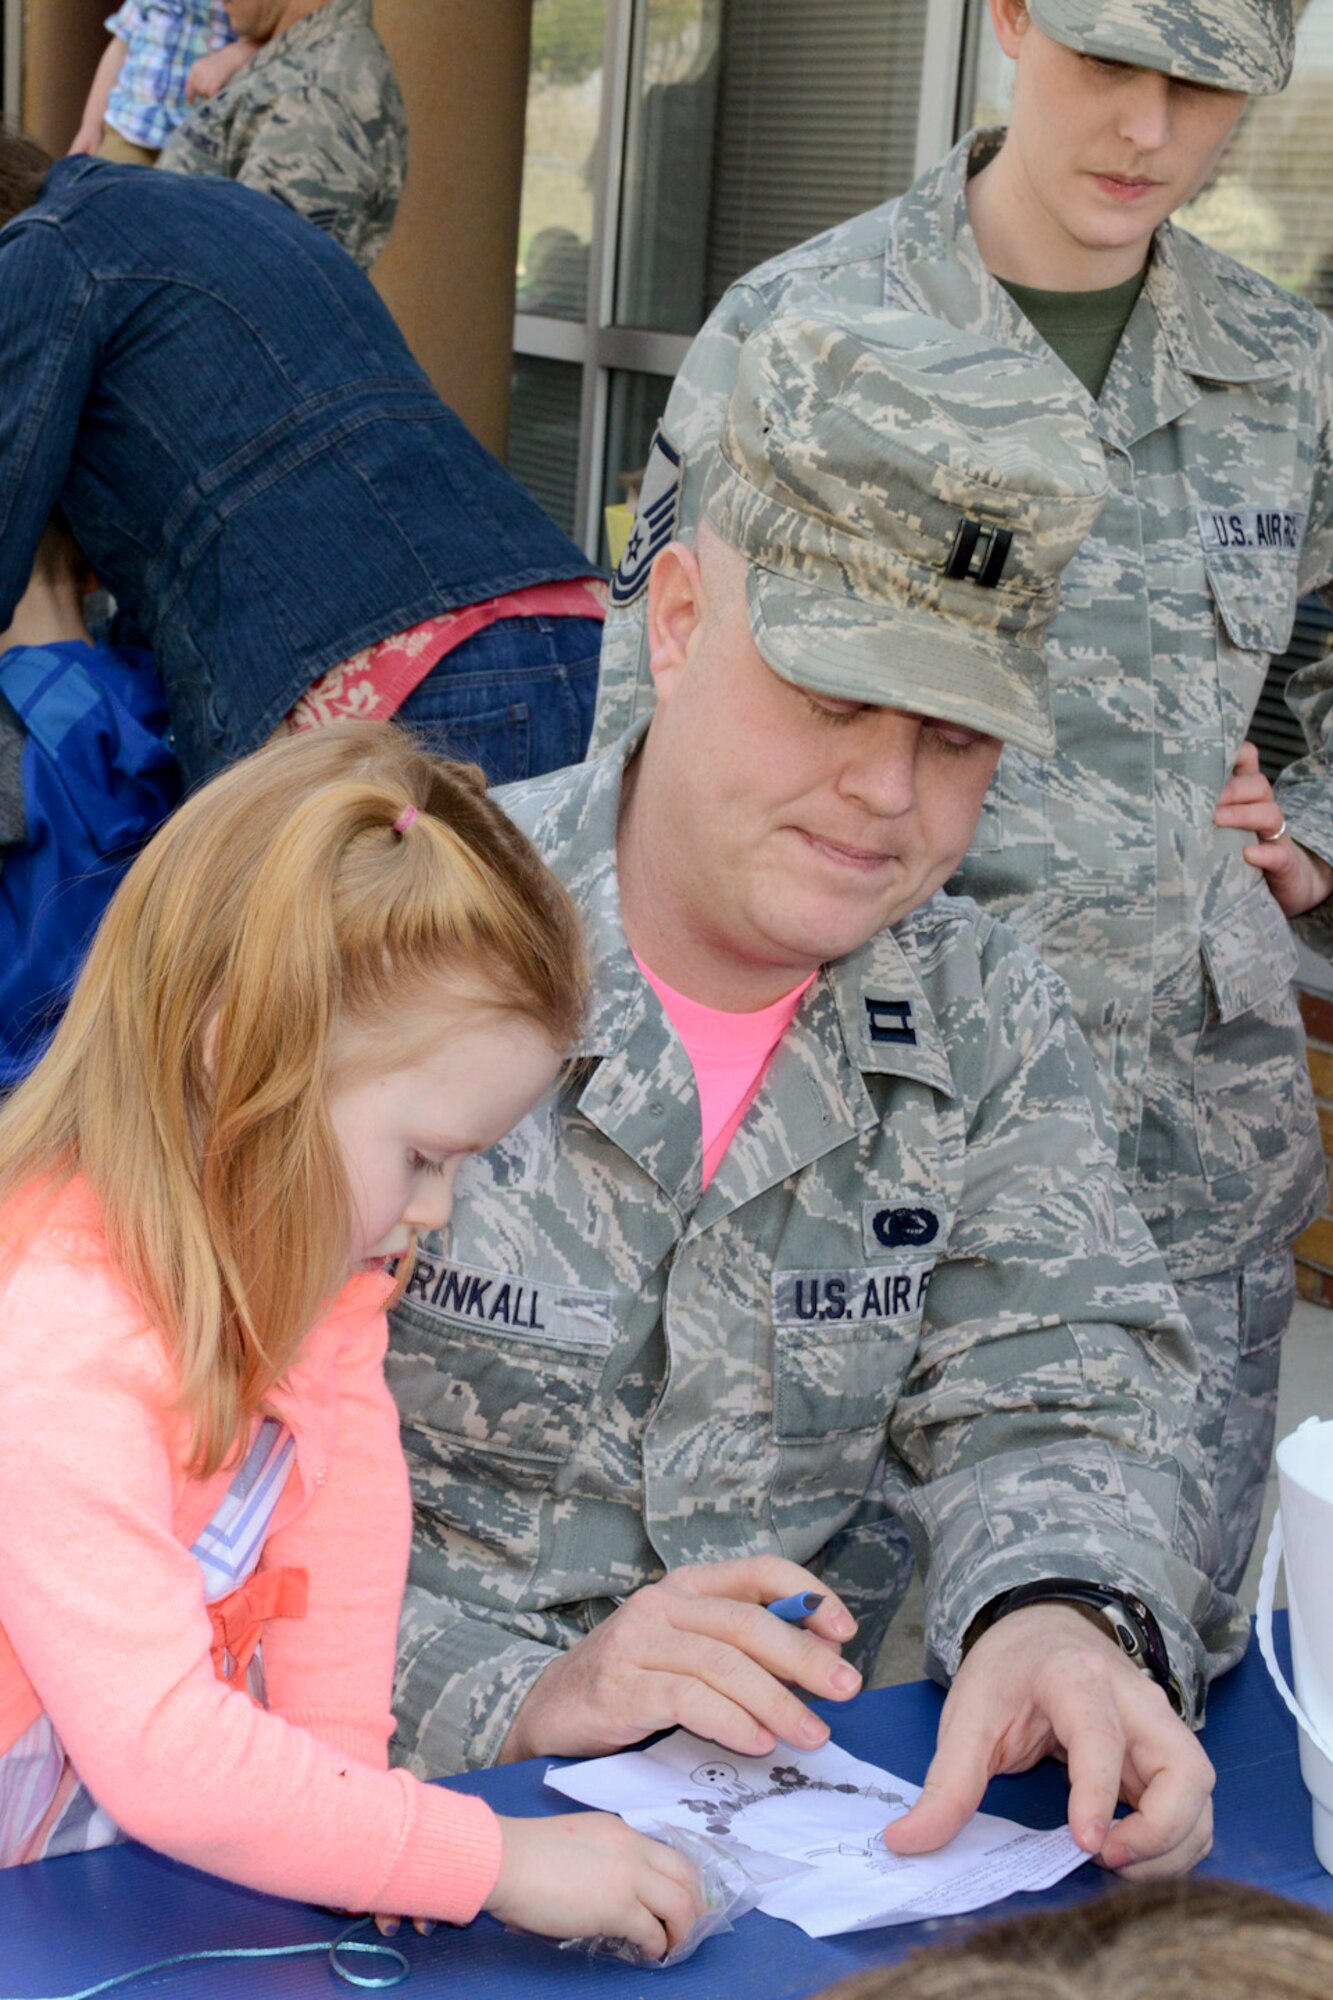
point(543, 454)
point(817, 117)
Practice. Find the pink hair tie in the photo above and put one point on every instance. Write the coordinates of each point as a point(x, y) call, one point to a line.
point(405, 819)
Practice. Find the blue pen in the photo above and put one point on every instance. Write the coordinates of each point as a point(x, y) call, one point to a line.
point(793, 1609)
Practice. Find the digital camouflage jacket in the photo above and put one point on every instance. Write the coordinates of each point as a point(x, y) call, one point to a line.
point(315, 118)
point(915, 1285)
point(1216, 420)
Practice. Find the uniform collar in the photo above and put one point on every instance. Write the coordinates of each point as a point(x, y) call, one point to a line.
point(931, 250)
point(577, 835)
point(1218, 325)
point(871, 987)
point(888, 1026)
point(866, 1014)
point(1188, 327)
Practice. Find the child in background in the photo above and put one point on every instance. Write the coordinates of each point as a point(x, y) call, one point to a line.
point(86, 777)
point(161, 56)
point(335, 971)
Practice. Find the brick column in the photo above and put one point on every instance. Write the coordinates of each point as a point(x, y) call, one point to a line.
point(448, 271)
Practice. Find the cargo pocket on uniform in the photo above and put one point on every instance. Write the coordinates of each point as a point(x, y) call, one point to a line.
point(833, 1387)
point(506, 1400)
point(1254, 601)
point(1252, 1092)
point(495, 1374)
point(842, 1342)
point(833, 1381)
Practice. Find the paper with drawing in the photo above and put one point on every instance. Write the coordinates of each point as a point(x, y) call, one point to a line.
point(822, 1811)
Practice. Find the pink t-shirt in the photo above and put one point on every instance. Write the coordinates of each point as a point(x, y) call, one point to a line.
point(729, 1053)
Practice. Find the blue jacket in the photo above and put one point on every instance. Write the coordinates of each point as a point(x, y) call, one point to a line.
point(98, 780)
point(248, 454)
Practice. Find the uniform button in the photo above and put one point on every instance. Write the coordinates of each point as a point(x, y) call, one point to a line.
point(657, 1109)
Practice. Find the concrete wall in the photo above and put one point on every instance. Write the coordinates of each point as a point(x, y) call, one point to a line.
point(63, 42)
point(448, 271)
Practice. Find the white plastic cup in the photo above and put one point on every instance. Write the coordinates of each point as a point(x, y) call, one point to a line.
point(1305, 1487)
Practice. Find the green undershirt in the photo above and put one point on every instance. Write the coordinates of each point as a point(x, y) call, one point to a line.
point(1083, 328)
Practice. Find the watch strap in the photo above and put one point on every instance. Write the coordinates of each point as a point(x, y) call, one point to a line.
point(1126, 1616)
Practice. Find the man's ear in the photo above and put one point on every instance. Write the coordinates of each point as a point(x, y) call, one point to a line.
point(675, 611)
point(1009, 19)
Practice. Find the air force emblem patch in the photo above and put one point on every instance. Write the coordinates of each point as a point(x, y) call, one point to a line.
point(655, 521)
point(896, 1227)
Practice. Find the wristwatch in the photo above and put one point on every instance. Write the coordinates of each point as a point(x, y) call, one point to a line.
point(1127, 1618)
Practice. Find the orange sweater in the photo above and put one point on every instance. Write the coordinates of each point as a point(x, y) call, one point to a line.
point(103, 1621)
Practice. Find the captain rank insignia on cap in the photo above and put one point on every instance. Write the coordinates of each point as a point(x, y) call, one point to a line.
point(979, 552)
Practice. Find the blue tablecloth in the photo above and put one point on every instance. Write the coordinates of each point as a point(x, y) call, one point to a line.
point(66, 1924)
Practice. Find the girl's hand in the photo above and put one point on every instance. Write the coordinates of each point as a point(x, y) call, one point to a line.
point(1298, 879)
point(589, 1875)
point(88, 137)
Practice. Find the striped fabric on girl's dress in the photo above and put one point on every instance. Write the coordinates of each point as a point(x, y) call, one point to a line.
point(44, 1808)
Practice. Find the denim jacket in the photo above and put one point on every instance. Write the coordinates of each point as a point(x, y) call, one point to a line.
point(248, 454)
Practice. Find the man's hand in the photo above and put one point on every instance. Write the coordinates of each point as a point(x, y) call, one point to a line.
point(1046, 1682)
point(698, 1651)
point(1298, 879)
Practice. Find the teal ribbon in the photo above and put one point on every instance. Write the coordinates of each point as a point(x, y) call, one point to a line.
point(345, 1942)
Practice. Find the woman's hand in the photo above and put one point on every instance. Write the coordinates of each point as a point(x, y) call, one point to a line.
point(1298, 879)
point(699, 1651)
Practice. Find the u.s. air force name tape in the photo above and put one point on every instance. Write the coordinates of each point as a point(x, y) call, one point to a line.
point(506, 1302)
point(801, 1298)
point(1278, 530)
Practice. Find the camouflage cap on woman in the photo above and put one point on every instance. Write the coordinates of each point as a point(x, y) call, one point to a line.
point(906, 495)
point(1243, 45)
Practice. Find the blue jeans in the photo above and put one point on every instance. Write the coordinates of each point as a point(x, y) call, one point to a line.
point(516, 698)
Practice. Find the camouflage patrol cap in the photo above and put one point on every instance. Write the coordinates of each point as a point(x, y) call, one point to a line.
point(906, 495)
point(1244, 45)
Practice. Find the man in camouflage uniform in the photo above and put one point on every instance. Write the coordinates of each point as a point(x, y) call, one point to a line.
point(1129, 858)
point(639, 1403)
point(316, 118)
